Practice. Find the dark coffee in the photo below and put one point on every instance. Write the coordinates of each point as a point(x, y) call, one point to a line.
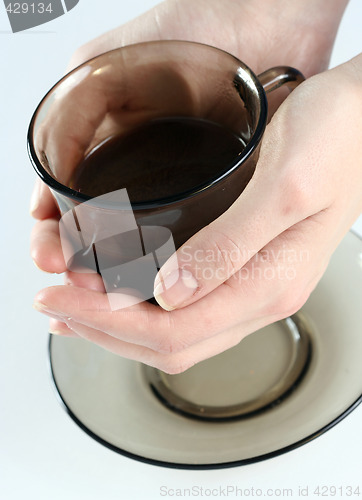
point(161, 158)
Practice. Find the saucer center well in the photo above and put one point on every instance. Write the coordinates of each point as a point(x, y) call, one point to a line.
point(256, 374)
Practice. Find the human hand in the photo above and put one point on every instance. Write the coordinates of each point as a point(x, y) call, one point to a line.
point(231, 27)
point(263, 256)
point(254, 30)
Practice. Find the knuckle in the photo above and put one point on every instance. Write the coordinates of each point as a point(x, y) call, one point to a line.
point(290, 306)
point(168, 341)
point(169, 345)
point(297, 196)
point(227, 251)
point(288, 303)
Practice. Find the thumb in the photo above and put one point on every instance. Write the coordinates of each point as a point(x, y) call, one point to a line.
point(265, 209)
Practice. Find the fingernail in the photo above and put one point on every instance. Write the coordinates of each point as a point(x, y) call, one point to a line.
point(62, 334)
point(34, 200)
point(55, 332)
point(39, 306)
point(175, 289)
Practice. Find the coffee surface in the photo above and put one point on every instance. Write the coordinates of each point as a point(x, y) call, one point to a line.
point(161, 158)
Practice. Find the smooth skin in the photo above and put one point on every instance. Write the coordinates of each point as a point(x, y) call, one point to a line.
point(270, 249)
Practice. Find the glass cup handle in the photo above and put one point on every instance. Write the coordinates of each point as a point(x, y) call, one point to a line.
point(273, 78)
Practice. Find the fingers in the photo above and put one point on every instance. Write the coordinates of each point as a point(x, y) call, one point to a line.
point(141, 29)
point(143, 324)
point(91, 281)
point(274, 284)
point(45, 247)
point(57, 327)
point(171, 363)
point(42, 203)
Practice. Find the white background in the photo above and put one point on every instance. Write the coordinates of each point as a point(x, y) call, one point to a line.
point(43, 454)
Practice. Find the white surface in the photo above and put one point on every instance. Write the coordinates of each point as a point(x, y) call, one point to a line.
point(43, 454)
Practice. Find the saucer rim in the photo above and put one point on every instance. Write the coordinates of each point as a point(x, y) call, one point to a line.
point(187, 466)
point(202, 466)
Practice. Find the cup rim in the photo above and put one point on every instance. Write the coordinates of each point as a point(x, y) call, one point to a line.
point(60, 188)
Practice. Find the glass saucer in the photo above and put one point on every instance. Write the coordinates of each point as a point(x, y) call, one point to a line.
point(110, 398)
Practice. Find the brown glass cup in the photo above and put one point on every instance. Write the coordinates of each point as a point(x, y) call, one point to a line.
point(120, 90)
